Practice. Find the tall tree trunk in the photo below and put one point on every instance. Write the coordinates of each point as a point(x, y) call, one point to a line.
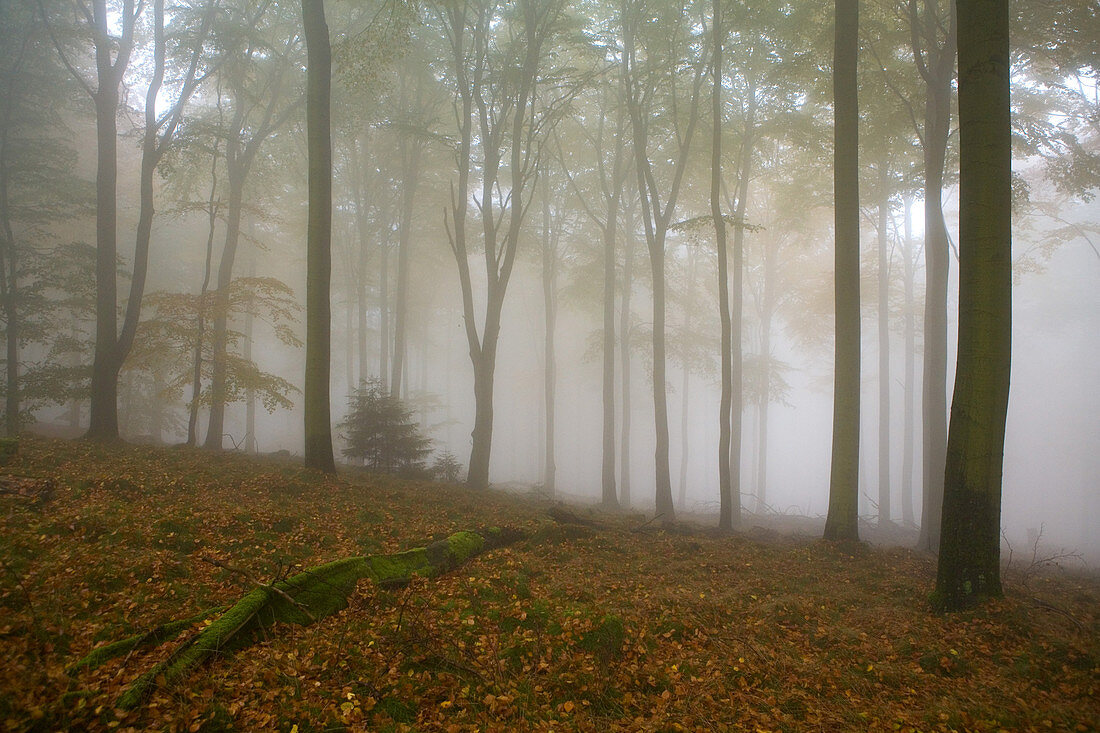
point(656, 218)
point(910, 336)
point(361, 297)
point(664, 506)
point(842, 522)
point(215, 429)
point(969, 561)
point(883, 349)
point(550, 313)
point(685, 443)
point(250, 392)
point(410, 179)
point(200, 311)
point(610, 233)
point(726, 501)
point(112, 349)
point(318, 423)
point(103, 423)
point(384, 319)
point(936, 65)
point(685, 380)
point(767, 314)
point(625, 327)
point(737, 305)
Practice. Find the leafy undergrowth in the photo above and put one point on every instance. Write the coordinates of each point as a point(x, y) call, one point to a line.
point(572, 629)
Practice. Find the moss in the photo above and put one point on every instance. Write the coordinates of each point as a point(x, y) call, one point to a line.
point(316, 593)
point(399, 567)
point(157, 635)
point(464, 545)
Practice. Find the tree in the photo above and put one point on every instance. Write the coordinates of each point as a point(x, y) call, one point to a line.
point(727, 503)
point(496, 56)
point(112, 58)
point(933, 46)
point(380, 432)
point(37, 190)
point(318, 424)
point(969, 560)
point(652, 68)
point(254, 72)
point(610, 175)
point(842, 522)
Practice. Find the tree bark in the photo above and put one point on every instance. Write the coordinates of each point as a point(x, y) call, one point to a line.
point(910, 370)
point(842, 522)
point(625, 326)
point(726, 518)
point(656, 219)
point(318, 423)
point(550, 313)
point(969, 561)
point(936, 64)
point(103, 423)
point(883, 349)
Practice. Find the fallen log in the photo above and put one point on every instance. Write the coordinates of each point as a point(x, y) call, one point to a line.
point(301, 599)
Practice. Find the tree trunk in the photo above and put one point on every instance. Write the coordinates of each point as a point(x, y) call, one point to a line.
point(625, 326)
point(685, 380)
point(410, 179)
point(883, 350)
point(725, 482)
point(842, 522)
point(969, 562)
point(200, 317)
point(685, 444)
point(250, 393)
point(550, 312)
point(103, 423)
point(664, 506)
point(482, 435)
point(610, 233)
point(737, 305)
point(384, 318)
point(937, 68)
point(767, 313)
point(318, 422)
point(215, 429)
point(910, 370)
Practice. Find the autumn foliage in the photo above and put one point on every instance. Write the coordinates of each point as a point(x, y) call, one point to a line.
point(615, 627)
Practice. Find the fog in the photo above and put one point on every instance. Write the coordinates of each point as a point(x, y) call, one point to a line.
point(406, 108)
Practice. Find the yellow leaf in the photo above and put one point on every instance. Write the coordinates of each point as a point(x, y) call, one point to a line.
point(568, 707)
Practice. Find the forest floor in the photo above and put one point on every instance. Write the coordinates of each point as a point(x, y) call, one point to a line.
point(624, 626)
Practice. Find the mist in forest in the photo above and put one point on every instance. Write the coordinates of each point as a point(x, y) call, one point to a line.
point(616, 130)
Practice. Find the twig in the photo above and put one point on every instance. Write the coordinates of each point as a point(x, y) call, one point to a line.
point(270, 586)
point(642, 527)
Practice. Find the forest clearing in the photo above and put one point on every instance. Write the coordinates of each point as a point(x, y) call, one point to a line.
point(621, 624)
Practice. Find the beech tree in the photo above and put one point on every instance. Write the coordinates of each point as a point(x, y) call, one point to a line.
point(842, 522)
point(318, 422)
point(970, 542)
point(496, 56)
point(112, 58)
point(657, 42)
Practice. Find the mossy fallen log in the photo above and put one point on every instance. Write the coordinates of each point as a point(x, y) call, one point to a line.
point(153, 637)
point(305, 598)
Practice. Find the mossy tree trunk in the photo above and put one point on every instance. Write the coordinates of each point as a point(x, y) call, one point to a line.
point(301, 599)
